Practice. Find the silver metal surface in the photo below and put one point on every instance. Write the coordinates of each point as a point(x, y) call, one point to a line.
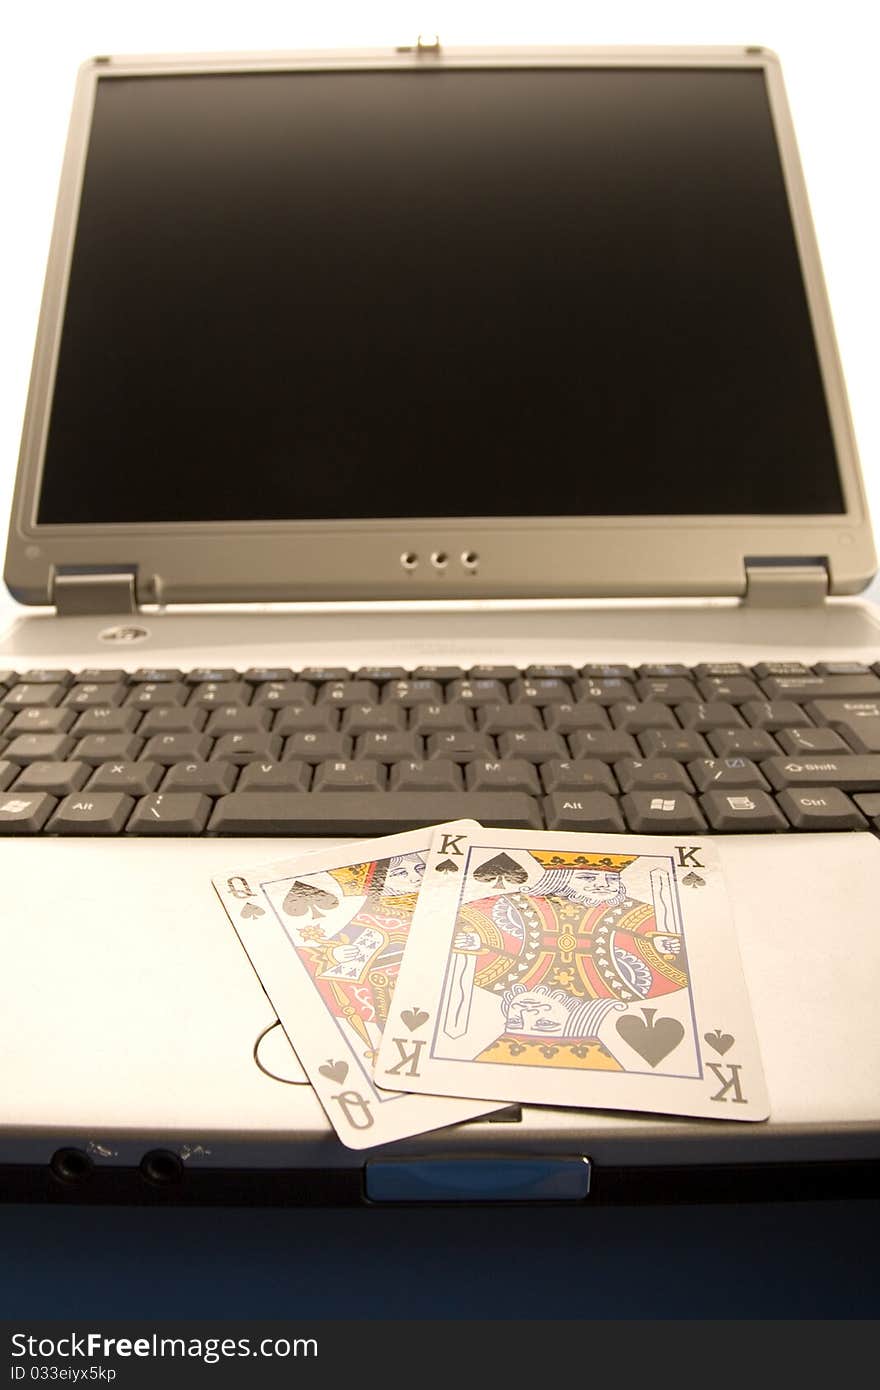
point(129, 1013)
point(541, 557)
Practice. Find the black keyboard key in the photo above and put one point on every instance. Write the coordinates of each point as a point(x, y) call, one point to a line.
point(38, 721)
point(605, 744)
point(682, 745)
point(663, 668)
point(277, 694)
point(714, 714)
point(317, 747)
point(367, 813)
point(412, 693)
point(842, 668)
point(90, 813)
point(169, 719)
point(341, 694)
point(135, 779)
point(591, 811)
point(565, 718)
point(247, 748)
point(774, 714)
point(211, 695)
point(435, 775)
point(605, 670)
point(33, 748)
point(662, 813)
point(381, 674)
point(387, 747)
point(670, 690)
point(578, 774)
point(857, 720)
point(92, 696)
point(460, 747)
point(109, 720)
point(8, 678)
point(361, 719)
point(263, 675)
point(157, 693)
point(237, 719)
point(442, 719)
point(308, 719)
point(43, 677)
point(869, 802)
point(822, 808)
point(170, 813)
point(96, 749)
point(32, 696)
point(744, 811)
point(100, 675)
point(720, 668)
point(733, 690)
point(494, 673)
point(821, 687)
point(541, 692)
point(780, 668)
point(25, 815)
point(155, 675)
point(360, 774)
point(634, 719)
point(635, 775)
point(534, 745)
point(206, 779)
point(274, 777)
point(320, 675)
point(443, 674)
point(8, 773)
point(177, 748)
point(563, 673)
point(803, 742)
point(511, 775)
point(746, 743)
point(709, 773)
point(211, 675)
point(856, 772)
point(57, 778)
point(499, 719)
point(478, 691)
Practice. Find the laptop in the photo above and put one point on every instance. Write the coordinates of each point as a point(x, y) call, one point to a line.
point(386, 404)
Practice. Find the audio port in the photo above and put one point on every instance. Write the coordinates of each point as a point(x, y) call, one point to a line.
point(439, 559)
point(162, 1167)
point(71, 1165)
point(409, 559)
point(470, 559)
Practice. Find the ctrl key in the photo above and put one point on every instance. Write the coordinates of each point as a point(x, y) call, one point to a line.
point(25, 814)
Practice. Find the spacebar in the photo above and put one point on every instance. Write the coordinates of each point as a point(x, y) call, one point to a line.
point(366, 813)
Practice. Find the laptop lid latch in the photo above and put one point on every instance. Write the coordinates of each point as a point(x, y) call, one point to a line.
point(80, 592)
point(786, 582)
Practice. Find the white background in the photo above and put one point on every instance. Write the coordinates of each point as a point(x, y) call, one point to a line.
point(829, 54)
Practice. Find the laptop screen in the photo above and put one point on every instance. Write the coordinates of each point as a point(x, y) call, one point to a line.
point(440, 293)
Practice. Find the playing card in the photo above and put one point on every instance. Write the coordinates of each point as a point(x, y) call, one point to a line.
point(326, 935)
point(582, 970)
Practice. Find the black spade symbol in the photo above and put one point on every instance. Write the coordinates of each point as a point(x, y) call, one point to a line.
point(446, 866)
point(502, 867)
point(694, 880)
point(303, 898)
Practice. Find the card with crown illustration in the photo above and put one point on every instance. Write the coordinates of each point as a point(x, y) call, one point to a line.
point(326, 934)
point(581, 970)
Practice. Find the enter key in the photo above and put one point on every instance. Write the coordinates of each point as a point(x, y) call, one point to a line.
point(858, 721)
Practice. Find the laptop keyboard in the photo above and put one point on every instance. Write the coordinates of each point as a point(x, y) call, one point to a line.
point(654, 749)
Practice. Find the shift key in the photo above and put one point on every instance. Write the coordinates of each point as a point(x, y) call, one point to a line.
point(856, 773)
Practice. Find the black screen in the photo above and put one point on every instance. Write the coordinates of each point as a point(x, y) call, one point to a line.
point(435, 293)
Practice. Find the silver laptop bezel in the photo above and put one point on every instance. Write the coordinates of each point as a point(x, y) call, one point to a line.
point(423, 558)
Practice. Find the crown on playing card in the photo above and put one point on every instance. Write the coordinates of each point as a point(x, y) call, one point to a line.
point(578, 859)
point(354, 879)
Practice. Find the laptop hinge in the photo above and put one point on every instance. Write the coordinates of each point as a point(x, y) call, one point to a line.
point(786, 582)
point(79, 592)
